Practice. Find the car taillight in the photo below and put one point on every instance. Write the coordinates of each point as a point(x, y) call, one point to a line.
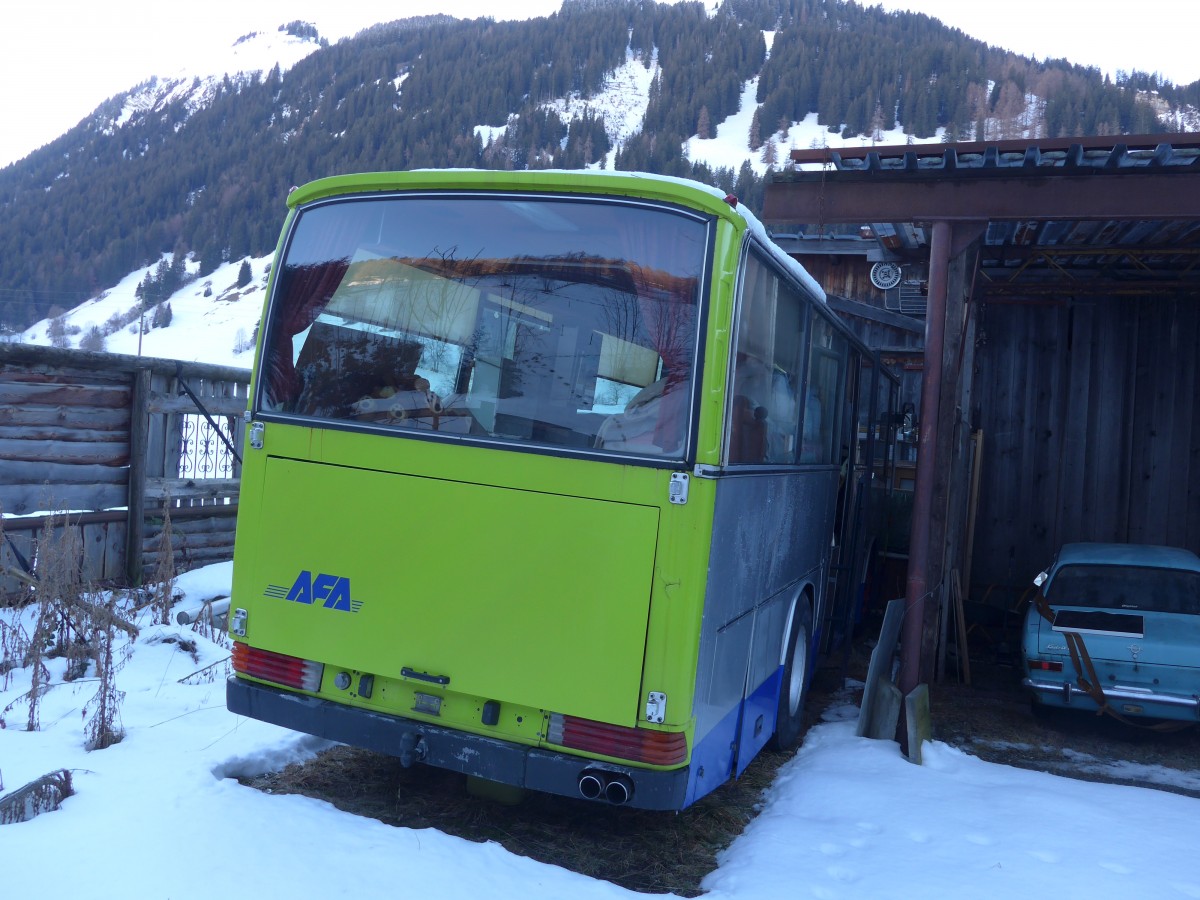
point(657, 748)
point(1044, 665)
point(302, 674)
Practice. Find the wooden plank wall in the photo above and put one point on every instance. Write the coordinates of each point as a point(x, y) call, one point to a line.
point(1091, 418)
point(64, 438)
point(65, 444)
point(844, 275)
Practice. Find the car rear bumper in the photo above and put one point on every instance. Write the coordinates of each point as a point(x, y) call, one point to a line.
point(446, 748)
point(1132, 701)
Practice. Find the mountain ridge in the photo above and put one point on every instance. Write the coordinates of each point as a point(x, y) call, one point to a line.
point(198, 164)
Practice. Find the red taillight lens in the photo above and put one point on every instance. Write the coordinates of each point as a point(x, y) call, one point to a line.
point(302, 674)
point(657, 748)
point(1044, 665)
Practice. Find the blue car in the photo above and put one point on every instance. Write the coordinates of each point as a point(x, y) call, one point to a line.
point(1117, 625)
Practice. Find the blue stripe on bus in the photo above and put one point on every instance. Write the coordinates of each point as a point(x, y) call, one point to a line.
point(759, 711)
point(712, 757)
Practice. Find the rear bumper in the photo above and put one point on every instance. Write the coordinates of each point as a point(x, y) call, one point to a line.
point(446, 748)
point(1151, 703)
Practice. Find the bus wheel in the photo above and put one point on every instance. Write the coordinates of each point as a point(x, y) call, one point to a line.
point(790, 718)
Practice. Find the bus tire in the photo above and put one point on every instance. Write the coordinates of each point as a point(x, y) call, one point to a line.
point(789, 721)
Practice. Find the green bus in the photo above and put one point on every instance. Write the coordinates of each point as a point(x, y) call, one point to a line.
point(542, 477)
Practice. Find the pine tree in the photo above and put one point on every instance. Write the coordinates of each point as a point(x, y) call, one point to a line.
point(244, 275)
point(769, 154)
point(756, 129)
point(162, 316)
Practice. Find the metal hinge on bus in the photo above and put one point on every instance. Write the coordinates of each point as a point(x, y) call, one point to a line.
point(656, 707)
point(256, 435)
point(678, 491)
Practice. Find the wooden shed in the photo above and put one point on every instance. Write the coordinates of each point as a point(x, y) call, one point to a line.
point(1058, 284)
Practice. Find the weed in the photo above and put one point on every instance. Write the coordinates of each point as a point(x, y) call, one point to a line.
point(164, 574)
point(70, 622)
point(14, 645)
point(40, 675)
point(210, 674)
point(210, 623)
point(39, 796)
point(103, 728)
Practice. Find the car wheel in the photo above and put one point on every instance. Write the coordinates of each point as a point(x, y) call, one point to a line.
point(789, 720)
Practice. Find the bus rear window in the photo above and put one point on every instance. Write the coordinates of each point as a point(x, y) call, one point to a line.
point(563, 322)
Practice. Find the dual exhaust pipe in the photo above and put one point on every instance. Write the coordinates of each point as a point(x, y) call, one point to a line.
point(610, 787)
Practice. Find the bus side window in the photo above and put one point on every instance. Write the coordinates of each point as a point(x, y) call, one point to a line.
point(826, 368)
point(764, 405)
point(748, 421)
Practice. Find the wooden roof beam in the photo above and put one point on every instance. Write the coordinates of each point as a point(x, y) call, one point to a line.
point(847, 197)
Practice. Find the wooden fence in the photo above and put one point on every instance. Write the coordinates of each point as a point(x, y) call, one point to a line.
point(111, 445)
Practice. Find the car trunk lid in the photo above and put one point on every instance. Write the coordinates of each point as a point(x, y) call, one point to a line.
point(1137, 637)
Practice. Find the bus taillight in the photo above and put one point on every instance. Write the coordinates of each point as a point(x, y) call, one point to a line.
point(657, 748)
point(290, 671)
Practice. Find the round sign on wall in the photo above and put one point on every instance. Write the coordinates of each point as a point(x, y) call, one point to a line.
point(885, 275)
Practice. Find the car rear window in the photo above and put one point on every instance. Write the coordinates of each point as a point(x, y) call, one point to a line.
point(1126, 587)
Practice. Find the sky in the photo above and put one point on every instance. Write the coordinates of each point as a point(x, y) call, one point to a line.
point(162, 814)
point(58, 62)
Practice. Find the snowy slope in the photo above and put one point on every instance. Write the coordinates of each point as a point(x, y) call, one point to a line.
point(252, 53)
point(622, 102)
point(230, 316)
point(211, 329)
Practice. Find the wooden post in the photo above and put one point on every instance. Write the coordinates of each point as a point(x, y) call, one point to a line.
point(972, 505)
point(960, 618)
point(880, 710)
point(136, 521)
point(919, 720)
point(948, 512)
point(915, 661)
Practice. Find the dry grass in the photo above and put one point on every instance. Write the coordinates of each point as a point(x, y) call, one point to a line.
point(73, 621)
point(651, 852)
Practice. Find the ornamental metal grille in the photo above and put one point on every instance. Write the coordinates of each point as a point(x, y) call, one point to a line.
point(202, 452)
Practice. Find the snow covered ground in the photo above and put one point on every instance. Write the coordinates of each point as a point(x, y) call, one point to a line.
point(161, 814)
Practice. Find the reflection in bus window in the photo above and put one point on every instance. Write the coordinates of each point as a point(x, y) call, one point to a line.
point(570, 324)
point(764, 413)
point(826, 368)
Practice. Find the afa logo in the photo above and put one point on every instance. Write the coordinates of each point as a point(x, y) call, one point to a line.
point(330, 591)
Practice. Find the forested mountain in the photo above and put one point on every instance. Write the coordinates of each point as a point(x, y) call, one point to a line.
point(203, 168)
